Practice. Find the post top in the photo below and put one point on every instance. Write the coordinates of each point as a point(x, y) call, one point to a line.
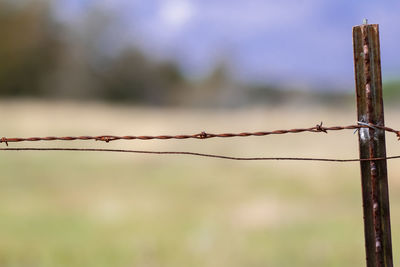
point(366, 25)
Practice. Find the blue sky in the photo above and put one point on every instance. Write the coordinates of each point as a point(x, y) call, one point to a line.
point(306, 43)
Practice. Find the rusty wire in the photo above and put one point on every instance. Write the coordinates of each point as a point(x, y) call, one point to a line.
point(203, 135)
point(195, 154)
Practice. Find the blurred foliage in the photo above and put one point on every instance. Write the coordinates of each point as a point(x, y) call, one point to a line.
point(41, 57)
point(276, 96)
point(28, 48)
point(133, 77)
point(44, 57)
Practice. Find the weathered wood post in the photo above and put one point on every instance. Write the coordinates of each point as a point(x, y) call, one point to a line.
point(374, 180)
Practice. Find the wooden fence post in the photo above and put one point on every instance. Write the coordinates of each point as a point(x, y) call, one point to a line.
point(374, 180)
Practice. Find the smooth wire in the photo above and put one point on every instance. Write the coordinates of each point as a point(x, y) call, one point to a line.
point(194, 154)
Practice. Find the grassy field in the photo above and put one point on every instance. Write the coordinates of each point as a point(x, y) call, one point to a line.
point(98, 209)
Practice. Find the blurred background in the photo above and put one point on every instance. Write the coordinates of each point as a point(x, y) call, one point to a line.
point(92, 67)
point(187, 53)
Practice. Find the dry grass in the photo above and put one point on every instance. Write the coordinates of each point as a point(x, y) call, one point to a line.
point(71, 209)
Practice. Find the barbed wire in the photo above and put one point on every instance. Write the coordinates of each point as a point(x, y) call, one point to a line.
point(203, 135)
point(195, 154)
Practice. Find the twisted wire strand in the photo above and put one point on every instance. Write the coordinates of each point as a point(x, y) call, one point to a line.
point(203, 135)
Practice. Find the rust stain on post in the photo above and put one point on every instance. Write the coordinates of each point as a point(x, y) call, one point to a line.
point(372, 145)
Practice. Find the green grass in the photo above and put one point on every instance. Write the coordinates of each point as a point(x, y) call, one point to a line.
point(68, 209)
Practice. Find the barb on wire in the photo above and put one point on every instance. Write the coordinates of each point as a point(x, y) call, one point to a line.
point(203, 135)
point(368, 125)
point(4, 140)
point(319, 128)
point(195, 154)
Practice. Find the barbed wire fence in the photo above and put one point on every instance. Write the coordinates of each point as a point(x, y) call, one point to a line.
point(319, 128)
point(372, 147)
